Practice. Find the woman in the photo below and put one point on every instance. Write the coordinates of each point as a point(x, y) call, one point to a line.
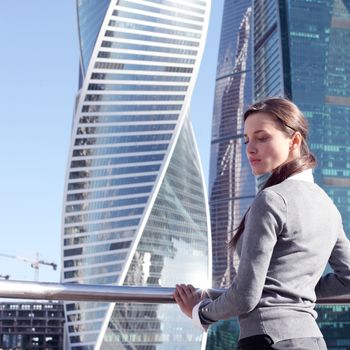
point(284, 241)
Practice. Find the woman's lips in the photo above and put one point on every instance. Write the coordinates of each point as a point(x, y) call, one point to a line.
point(254, 161)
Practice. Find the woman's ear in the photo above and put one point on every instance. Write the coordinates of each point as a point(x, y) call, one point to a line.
point(296, 140)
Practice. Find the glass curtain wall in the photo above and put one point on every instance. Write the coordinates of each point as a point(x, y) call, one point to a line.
point(231, 184)
point(304, 54)
point(135, 210)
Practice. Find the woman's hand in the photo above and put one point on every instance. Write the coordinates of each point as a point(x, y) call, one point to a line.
point(186, 297)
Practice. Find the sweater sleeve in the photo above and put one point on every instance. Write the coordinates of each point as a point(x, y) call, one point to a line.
point(264, 222)
point(338, 282)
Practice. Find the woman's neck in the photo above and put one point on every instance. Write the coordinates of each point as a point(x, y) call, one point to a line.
point(261, 180)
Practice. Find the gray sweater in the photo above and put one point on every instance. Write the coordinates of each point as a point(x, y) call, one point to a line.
point(291, 231)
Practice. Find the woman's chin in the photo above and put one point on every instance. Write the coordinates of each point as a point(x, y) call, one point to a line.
point(257, 172)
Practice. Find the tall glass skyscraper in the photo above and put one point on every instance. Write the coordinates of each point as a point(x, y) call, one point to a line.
point(135, 209)
point(231, 184)
point(302, 50)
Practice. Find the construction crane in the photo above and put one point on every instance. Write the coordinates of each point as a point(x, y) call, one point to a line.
point(33, 263)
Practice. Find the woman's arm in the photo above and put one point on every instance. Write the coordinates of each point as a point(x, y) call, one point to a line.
point(264, 223)
point(337, 283)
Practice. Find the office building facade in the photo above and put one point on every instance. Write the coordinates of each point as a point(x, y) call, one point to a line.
point(231, 184)
point(31, 325)
point(302, 51)
point(135, 209)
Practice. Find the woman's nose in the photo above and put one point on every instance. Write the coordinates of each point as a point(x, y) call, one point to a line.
point(251, 149)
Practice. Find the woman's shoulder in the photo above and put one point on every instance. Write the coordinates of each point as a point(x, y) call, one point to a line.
point(270, 197)
point(288, 191)
point(298, 193)
point(292, 187)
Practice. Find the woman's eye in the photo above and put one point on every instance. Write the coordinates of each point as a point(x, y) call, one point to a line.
point(259, 139)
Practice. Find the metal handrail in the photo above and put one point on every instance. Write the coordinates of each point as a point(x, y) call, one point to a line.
point(102, 293)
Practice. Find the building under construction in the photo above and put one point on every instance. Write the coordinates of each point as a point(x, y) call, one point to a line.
point(31, 325)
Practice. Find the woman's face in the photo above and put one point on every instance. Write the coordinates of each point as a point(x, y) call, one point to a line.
point(267, 145)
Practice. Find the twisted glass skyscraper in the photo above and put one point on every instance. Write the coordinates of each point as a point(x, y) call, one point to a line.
point(135, 209)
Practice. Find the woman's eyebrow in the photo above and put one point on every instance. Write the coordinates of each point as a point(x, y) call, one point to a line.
point(255, 132)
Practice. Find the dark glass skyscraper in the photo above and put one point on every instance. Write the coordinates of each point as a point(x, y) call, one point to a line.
point(302, 50)
point(231, 185)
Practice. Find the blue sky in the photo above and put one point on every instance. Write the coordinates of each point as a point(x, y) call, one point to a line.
point(39, 72)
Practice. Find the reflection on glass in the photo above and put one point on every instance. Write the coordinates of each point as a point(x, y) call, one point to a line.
point(134, 206)
point(232, 186)
point(172, 238)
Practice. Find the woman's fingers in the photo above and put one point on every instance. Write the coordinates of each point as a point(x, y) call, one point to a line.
point(187, 293)
point(191, 288)
point(187, 290)
point(177, 297)
point(182, 292)
point(186, 297)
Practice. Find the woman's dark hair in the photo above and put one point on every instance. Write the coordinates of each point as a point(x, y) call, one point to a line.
point(290, 120)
